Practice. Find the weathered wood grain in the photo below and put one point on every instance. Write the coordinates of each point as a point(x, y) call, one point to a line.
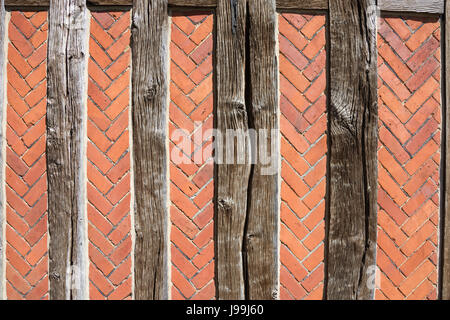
point(419, 6)
point(351, 232)
point(2, 138)
point(302, 4)
point(24, 3)
point(180, 3)
point(193, 3)
point(261, 236)
point(150, 32)
point(232, 178)
point(444, 286)
point(66, 114)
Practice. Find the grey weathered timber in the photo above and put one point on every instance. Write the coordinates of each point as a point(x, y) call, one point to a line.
point(193, 3)
point(232, 178)
point(150, 32)
point(352, 205)
point(66, 114)
point(445, 220)
point(419, 6)
point(24, 3)
point(181, 3)
point(2, 137)
point(261, 236)
point(302, 4)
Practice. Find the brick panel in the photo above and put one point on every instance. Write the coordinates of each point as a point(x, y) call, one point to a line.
point(108, 165)
point(191, 179)
point(26, 180)
point(409, 157)
point(303, 123)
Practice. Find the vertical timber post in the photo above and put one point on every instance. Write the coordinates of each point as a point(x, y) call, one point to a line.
point(2, 139)
point(445, 220)
point(66, 114)
point(352, 207)
point(261, 236)
point(232, 155)
point(150, 37)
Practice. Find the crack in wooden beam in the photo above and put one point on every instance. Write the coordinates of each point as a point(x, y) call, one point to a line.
point(66, 116)
point(353, 110)
point(150, 87)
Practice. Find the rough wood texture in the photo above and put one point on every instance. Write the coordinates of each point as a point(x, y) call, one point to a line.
point(231, 179)
point(420, 6)
point(302, 4)
point(17, 3)
point(261, 237)
point(193, 3)
point(66, 108)
point(150, 32)
point(445, 220)
point(352, 149)
point(181, 3)
point(2, 138)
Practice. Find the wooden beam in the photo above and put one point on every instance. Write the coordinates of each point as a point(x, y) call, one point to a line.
point(150, 84)
point(66, 114)
point(413, 6)
point(445, 220)
point(352, 215)
point(232, 178)
point(174, 3)
point(3, 29)
point(25, 3)
point(193, 3)
point(302, 4)
point(261, 237)
point(417, 6)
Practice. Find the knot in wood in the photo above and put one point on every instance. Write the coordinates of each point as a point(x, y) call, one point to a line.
point(54, 275)
point(225, 204)
point(53, 164)
point(275, 294)
point(150, 92)
point(239, 108)
point(258, 108)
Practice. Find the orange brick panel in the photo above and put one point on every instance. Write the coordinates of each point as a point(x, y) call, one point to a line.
point(408, 157)
point(108, 154)
point(26, 180)
point(303, 123)
point(191, 166)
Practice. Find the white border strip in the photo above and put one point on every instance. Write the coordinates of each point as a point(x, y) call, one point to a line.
point(5, 17)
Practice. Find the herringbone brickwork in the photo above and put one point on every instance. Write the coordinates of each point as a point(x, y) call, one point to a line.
point(191, 181)
point(303, 124)
point(108, 165)
point(26, 180)
point(409, 68)
point(409, 157)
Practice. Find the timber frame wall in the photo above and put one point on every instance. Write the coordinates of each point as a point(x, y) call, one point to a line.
point(246, 264)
